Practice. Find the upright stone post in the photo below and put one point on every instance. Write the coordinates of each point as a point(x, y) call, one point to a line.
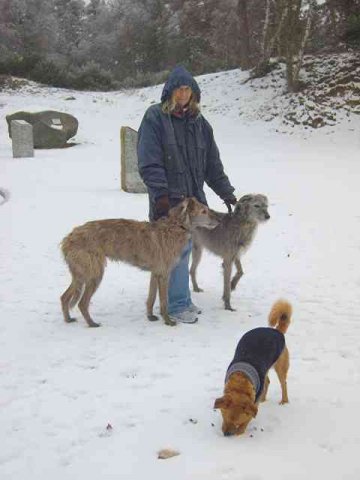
point(130, 178)
point(22, 139)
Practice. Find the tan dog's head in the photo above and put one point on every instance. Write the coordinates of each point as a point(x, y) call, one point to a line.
point(237, 405)
point(236, 415)
point(194, 214)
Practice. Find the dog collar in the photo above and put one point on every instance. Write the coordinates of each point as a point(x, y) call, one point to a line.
point(248, 370)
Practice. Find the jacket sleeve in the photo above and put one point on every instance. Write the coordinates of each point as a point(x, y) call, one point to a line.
point(215, 176)
point(151, 156)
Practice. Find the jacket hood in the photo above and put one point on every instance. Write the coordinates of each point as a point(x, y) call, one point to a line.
point(180, 76)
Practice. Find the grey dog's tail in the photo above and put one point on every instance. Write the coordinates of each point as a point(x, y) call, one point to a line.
point(280, 315)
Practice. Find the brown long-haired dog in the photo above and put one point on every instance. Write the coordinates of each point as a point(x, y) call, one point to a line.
point(154, 247)
point(246, 381)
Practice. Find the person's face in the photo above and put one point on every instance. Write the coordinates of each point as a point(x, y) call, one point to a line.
point(182, 95)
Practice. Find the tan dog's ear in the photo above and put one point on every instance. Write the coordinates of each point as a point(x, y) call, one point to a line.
point(223, 402)
point(251, 409)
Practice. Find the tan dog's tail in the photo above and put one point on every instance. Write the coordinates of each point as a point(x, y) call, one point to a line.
point(280, 315)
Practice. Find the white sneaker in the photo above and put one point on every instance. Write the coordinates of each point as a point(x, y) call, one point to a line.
point(184, 317)
point(194, 308)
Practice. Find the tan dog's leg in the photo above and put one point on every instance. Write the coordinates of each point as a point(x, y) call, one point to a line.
point(265, 390)
point(196, 257)
point(90, 288)
point(227, 266)
point(163, 295)
point(151, 298)
point(239, 273)
point(281, 367)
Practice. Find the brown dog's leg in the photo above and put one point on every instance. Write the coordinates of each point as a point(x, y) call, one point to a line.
point(239, 273)
point(90, 288)
point(265, 389)
point(151, 298)
point(196, 257)
point(281, 368)
point(163, 295)
point(227, 266)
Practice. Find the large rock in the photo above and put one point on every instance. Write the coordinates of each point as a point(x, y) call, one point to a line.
point(130, 177)
point(51, 129)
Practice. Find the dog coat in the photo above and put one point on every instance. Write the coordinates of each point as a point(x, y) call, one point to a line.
point(255, 353)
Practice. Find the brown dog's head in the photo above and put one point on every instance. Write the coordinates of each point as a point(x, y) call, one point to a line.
point(194, 214)
point(237, 412)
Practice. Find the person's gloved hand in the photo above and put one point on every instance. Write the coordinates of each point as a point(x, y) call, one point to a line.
point(230, 200)
point(162, 206)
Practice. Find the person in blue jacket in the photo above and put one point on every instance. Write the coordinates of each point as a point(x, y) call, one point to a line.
point(177, 153)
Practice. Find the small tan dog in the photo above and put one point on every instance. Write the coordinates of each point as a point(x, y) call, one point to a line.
point(154, 247)
point(247, 381)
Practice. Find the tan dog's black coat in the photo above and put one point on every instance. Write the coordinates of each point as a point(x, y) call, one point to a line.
point(247, 381)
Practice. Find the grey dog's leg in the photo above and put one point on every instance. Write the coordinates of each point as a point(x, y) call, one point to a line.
point(227, 266)
point(239, 273)
point(151, 298)
point(196, 257)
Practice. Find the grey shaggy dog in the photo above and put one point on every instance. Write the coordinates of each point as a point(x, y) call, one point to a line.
point(230, 239)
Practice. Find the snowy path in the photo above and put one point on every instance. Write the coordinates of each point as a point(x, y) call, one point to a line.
point(62, 384)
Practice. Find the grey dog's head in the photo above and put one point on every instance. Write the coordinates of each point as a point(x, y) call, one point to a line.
point(252, 207)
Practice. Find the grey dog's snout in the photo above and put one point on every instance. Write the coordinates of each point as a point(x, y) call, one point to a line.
point(267, 216)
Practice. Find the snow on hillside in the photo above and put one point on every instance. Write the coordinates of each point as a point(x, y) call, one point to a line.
point(61, 384)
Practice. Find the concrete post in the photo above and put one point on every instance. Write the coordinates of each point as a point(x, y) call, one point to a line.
point(22, 139)
point(130, 178)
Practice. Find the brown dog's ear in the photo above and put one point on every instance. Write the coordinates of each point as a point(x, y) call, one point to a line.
point(191, 203)
point(185, 205)
point(223, 402)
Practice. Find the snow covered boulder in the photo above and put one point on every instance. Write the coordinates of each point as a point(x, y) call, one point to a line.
point(51, 129)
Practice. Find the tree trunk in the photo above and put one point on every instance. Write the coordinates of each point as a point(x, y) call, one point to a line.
point(244, 38)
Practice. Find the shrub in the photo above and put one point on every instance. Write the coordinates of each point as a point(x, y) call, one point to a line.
point(91, 76)
point(352, 32)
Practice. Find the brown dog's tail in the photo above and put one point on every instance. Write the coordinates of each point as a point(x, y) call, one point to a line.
point(280, 315)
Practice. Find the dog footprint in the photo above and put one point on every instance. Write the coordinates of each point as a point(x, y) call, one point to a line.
point(327, 448)
point(225, 473)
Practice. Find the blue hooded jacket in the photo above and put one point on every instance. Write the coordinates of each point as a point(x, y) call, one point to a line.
point(177, 154)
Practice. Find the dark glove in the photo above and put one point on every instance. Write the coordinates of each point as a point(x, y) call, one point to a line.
point(162, 206)
point(230, 200)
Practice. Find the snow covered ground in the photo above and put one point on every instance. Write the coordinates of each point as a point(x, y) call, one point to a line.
point(62, 384)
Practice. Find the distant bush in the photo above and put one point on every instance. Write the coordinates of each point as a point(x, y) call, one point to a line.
point(48, 72)
point(16, 64)
point(92, 76)
point(145, 79)
point(352, 32)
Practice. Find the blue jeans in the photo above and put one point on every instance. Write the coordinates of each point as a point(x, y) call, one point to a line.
point(179, 298)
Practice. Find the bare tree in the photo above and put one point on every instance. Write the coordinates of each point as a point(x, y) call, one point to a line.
point(244, 38)
point(293, 38)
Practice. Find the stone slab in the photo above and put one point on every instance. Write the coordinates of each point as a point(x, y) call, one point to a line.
point(22, 139)
point(130, 178)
